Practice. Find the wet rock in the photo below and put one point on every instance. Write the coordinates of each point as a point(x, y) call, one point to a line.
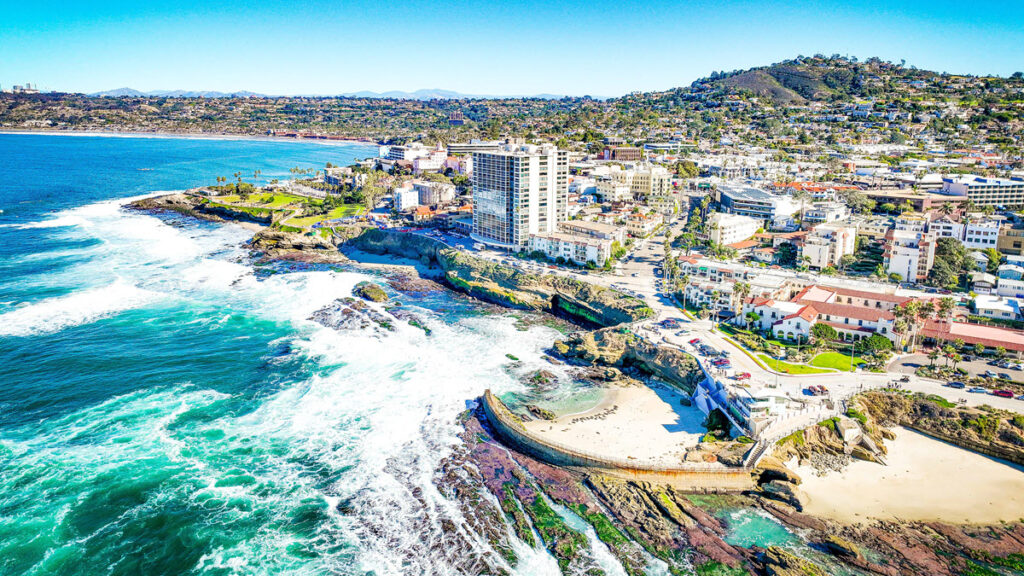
point(540, 412)
point(842, 548)
point(370, 291)
point(779, 562)
point(345, 314)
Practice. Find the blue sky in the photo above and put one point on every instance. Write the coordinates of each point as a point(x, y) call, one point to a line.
point(598, 47)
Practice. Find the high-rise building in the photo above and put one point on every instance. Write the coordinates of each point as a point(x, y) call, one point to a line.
point(518, 191)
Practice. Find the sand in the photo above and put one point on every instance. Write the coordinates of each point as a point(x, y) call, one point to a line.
point(925, 480)
point(633, 422)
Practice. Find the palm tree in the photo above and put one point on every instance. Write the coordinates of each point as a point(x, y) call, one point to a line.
point(933, 356)
point(946, 208)
point(740, 292)
point(801, 195)
point(946, 306)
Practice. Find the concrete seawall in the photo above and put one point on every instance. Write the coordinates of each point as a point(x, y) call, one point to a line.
point(685, 476)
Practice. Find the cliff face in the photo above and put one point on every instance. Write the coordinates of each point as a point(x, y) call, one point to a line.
point(616, 347)
point(507, 285)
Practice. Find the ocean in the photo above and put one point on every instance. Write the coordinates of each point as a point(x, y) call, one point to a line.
point(166, 405)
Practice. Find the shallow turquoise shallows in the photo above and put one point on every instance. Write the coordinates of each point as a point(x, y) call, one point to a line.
point(166, 406)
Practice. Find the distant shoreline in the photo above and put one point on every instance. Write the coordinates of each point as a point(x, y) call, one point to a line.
point(182, 135)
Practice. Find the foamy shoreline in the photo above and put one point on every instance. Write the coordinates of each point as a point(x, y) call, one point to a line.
point(181, 136)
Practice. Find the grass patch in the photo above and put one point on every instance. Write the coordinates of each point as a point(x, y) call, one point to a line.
point(796, 437)
point(835, 360)
point(339, 212)
point(935, 398)
point(788, 368)
point(857, 415)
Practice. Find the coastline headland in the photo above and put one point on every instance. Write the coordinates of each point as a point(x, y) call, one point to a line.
point(643, 511)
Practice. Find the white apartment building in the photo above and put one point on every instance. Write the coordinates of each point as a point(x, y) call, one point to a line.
point(826, 244)
point(405, 199)
point(434, 193)
point(408, 152)
point(909, 254)
point(731, 228)
point(610, 190)
point(999, 307)
point(825, 212)
point(1010, 281)
point(572, 248)
point(642, 225)
point(434, 161)
point(986, 191)
point(518, 191)
point(594, 229)
point(973, 235)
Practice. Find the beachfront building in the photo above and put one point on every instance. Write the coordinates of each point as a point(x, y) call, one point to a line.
point(731, 228)
point(407, 153)
point(518, 191)
point(572, 248)
point(826, 244)
point(985, 191)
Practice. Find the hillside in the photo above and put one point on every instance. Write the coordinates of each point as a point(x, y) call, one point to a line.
point(817, 78)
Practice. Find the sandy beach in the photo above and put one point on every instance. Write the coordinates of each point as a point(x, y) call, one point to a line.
point(633, 422)
point(925, 480)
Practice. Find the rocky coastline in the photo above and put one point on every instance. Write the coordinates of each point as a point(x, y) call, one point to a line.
point(503, 492)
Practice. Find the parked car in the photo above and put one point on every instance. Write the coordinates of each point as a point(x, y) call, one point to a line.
point(905, 378)
point(1003, 393)
point(695, 341)
point(742, 376)
point(978, 390)
point(957, 385)
point(990, 374)
point(723, 353)
point(1004, 376)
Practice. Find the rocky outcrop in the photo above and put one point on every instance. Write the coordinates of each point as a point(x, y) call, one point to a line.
point(619, 347)
point(518, 289)
point(282, 244)
point(370, 291)
point(779, 562)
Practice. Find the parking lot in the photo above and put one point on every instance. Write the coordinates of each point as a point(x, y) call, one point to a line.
point(974, 368)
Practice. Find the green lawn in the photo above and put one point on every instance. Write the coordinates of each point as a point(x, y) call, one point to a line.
point(787, 368)
point(339, 212)
point(835, 360)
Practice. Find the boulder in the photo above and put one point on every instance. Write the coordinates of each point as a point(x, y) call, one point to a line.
point(842, 548)
point(370, 291)
point(784, 492)
point(779, 562)
point(771, 468)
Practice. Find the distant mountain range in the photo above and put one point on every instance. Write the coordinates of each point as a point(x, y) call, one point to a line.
point(424, 94)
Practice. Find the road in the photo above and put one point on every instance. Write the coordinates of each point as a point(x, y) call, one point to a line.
point(639, 278)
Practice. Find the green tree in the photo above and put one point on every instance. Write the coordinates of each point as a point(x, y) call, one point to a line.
point(824, 332)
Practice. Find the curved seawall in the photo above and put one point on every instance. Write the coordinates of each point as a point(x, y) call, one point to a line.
point(686, 476)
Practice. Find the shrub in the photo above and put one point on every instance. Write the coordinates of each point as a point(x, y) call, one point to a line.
point(857, 415)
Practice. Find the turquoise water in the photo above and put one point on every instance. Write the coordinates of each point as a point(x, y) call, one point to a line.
point(166, 407)
point(752, 527)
